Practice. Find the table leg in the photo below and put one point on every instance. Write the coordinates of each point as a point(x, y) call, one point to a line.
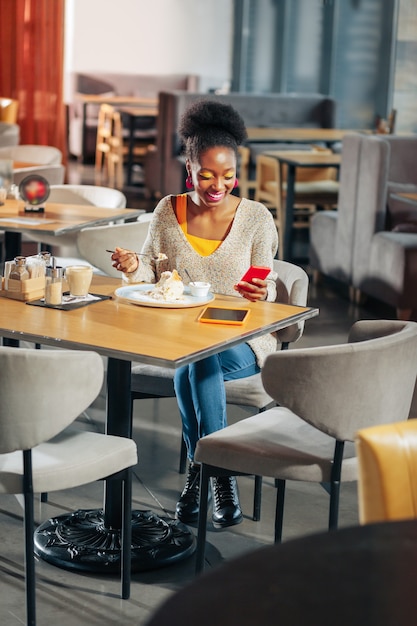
point(12, 245)
point(89, 540)
point(84, 134)
point(132, 126)
point(289, 212)
point(12, 248)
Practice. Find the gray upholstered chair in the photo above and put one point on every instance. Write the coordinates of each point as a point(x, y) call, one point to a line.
point(384, 256)
point(93, 242)
point(30, 153)
point(54, 174)
point(332, 232)
point(369, 243)
point(387, 484)
point(9, 135)
point(41, 393)
point(325, 395)
point(150, 381)
point(104, 197)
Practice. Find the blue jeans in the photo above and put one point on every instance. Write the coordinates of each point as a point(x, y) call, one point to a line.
point(200, 391)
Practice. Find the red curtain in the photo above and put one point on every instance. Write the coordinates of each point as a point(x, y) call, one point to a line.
point(31, 68)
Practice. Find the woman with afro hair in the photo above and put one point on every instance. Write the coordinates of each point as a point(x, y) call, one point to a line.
point(215, 236)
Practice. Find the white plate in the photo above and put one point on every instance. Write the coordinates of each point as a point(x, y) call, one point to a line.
point(136, 294)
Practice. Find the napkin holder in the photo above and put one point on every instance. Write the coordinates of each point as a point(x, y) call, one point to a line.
point(23, 290)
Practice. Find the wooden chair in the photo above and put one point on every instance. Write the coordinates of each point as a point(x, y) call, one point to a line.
point(314, 187)
point(246, 185)
point(8, 110)
point(109, 147)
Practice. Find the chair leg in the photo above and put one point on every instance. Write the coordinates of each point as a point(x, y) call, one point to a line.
point(202, 519)
point(335, 484)
point(279, 510)
point(183, 457)
point(29, 528)
point(126, 557)
point(257, 498)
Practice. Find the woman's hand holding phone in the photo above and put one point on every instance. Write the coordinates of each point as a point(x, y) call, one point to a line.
point(253, 285)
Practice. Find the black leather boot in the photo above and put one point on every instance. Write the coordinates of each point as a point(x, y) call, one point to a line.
point(189, 503)
point(226, 506)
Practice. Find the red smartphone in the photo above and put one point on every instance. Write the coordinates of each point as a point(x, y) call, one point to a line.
point(255, 271)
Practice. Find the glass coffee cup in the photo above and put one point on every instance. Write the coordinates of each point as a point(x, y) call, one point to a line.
point(79, 279)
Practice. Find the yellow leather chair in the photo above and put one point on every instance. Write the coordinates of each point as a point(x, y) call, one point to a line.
point(387, 487)
point(8, 110)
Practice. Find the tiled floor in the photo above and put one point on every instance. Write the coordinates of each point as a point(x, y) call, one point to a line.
point(73, 599)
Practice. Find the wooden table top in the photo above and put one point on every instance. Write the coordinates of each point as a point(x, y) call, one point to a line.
point(299, 134)
point(158, 336)
point(117, 100)
point(139, 111)
point(410, 198)
point(305, 159)
point(58, 218)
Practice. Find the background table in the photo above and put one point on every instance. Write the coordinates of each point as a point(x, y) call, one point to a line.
point(125, 332)
point(361, 576)
point(57, 219)
point(299, 135)
point(307, 159)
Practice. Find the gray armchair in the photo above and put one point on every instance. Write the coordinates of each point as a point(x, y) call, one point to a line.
point(39, 453)
point(368, 243)
point(9, 134)
point(384, 261)
point(149, 381)
point(332, 232)
point(324, 395)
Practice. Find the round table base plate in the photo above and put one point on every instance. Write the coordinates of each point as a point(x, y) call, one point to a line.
point(80, 541)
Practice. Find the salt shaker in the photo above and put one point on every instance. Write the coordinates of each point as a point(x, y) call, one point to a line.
point(53, 285)
point(19, 270)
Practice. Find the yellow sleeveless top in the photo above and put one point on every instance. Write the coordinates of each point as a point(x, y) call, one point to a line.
point(204, 247)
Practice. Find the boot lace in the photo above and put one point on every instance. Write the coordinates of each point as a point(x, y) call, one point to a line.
point(224, 491)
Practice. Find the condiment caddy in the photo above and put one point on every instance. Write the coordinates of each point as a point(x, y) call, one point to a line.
point(25, 278)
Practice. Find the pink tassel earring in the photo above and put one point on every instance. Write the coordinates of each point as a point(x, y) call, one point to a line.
point(189, 182)
point(236, 183)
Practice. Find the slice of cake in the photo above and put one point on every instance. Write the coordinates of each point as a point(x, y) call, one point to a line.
point(169, 287)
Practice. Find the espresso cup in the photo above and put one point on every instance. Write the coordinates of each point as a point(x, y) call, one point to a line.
point(79, 279)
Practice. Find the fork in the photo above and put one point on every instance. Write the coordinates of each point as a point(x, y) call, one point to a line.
point(153, 258)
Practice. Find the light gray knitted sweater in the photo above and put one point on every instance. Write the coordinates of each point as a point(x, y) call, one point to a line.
point(252, 240)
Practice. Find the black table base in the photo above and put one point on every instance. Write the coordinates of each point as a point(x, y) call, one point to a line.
point(81, 541)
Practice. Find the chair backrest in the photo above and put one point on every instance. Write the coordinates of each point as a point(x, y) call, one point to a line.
point(42, 392)
point(93, 242)
point(8, 110)
point(343, 388)
point(40, 155)
point(387, 457)
point(54, 174)
point(370, 209)
point(104, 197)
point(9, 135)
point(292, 288)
